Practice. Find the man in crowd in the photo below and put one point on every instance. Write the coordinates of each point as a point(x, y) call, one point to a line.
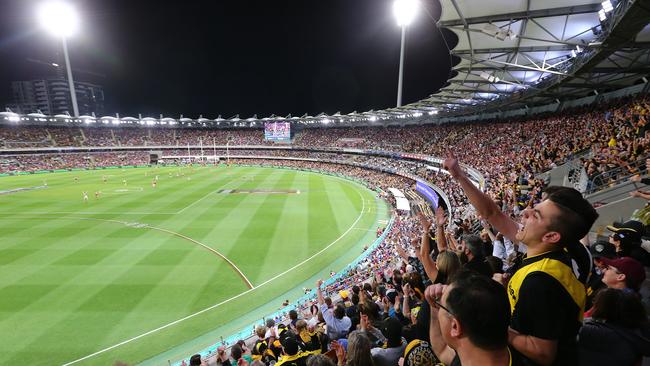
point(338, 324)
point(473, 252)
point(469, 322)
point(546, 298)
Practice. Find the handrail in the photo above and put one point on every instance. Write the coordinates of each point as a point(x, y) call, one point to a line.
point(602, 180)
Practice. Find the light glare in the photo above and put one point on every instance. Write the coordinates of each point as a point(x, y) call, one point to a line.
point(58, 18)
point(607, 6)
point(405, 11)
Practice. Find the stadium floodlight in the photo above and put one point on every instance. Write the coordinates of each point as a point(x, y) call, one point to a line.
point(61, 20)
point(404, 11)
point(602, 15)
point(607, 6)
point(58, 18)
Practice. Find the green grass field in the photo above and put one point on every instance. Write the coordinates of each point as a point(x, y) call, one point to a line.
point(79, 277)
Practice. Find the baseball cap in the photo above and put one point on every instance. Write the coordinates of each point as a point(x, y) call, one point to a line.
point(632, 230)
point(391, 294)
point(631, 268)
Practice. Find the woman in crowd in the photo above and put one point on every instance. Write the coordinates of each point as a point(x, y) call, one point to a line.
point(618, 332)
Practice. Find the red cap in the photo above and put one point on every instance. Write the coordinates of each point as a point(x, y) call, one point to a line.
point(631, 268)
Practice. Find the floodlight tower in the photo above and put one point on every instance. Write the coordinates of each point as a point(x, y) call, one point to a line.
point(404, 11)
point(61, 20)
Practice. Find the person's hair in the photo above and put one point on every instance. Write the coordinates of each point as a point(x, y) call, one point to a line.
point(474, 244)
point(293, 315)
point(367, 287)
point(448, 264)
point(270, 323)
point(355, 298)
point(359, 350)
point(319, 360)
point(356, 289)
point(195, 360)
point(415, 280)
point(495, 263)
point(369, 308)
point(236, 352)
point(290, 344)
point(481, 306)
point(301, 325)
point(260, 331)
point(393, 332)
point(576, 214)
point(339, 311)
point(328, 301)
point(619, 307)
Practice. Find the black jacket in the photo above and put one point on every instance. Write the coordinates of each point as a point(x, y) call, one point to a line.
point(602, 343)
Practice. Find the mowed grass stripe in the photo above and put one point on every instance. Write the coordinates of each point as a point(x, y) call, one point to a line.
point(321, 223)
point(250, 247)
point(291, 223)
point(259, 239)
point(59, 239)
point(152, 273)
point(102, 274)
point(342, 197)
point(213, 277)
point(110, 305)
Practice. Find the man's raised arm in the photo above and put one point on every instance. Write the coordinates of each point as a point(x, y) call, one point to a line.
point(484, 205)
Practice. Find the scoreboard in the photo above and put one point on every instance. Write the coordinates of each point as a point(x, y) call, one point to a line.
point(277, 131)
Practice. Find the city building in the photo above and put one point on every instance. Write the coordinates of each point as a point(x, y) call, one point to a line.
point(52, 96)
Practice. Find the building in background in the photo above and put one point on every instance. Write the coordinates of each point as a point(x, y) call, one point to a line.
point(52, 96)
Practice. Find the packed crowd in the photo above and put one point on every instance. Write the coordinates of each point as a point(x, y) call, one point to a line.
point(508, 280)
point(508, 292)
point(611, 137)
point(38, 162)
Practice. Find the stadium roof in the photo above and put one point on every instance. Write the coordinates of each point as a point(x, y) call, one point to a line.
point(524, 53)
point(506, 55)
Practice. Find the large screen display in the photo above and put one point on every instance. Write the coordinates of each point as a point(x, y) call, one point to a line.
point(277, 131)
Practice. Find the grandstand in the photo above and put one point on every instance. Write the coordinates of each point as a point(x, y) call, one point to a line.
point(541, 95)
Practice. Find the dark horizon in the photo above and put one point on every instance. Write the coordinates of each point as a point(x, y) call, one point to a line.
point(244, 57)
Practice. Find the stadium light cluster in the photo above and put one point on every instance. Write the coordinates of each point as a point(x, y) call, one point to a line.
point(607, 7)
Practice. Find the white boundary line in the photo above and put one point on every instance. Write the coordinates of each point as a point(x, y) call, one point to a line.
point(147, 226)
point(363, 208)
point(91, 213)
point(197, 201)
point(243, 276)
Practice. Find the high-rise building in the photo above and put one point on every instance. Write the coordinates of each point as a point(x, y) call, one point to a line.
point(52, 96)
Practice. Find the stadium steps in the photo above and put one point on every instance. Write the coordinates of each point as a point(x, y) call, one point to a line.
point(115, 139)
point(615, 204)
point(83, 139)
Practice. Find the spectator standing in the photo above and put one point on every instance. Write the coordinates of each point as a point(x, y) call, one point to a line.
point(338, 324)
point(545, 296)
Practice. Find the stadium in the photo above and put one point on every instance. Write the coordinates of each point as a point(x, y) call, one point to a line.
point(501, 219)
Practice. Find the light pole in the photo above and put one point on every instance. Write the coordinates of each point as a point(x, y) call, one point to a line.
point(61, 20)
point(404, 11)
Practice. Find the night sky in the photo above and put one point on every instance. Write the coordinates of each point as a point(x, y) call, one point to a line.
point(230, 57)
